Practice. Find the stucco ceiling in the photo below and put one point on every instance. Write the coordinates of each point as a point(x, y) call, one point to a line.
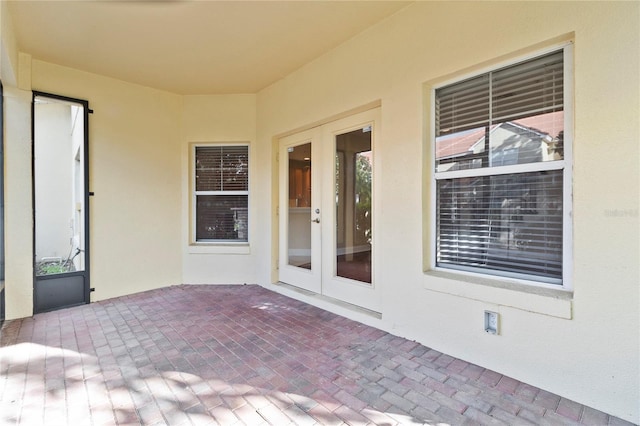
point(191, 47)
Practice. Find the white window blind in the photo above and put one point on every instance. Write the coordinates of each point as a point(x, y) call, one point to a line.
point(500, 173)
point(462, 106)
point(531, 88)
point(221, 193)
point(222, 168)
point(510, 223)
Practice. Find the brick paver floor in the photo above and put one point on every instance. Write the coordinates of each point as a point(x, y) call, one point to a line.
point(236, 355)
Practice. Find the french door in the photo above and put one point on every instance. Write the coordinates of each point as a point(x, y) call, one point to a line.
point(327, 210)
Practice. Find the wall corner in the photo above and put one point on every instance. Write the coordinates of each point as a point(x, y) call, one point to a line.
point(24, 71)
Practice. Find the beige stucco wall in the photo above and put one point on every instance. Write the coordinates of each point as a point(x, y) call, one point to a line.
point(584, 345)
point(8, 47)
point(139, 171)
point(221, 119)
point(18, 216)
point(134, 151)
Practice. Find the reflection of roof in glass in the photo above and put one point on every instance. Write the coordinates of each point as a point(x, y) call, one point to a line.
point(458, 143)
point(461, 143)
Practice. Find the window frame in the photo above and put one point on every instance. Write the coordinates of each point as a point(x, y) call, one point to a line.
point(194, 241)
point(566, 165)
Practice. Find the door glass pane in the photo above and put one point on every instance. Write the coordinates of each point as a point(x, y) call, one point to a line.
point(59, 186)
point(299, 209)
point(353, 158)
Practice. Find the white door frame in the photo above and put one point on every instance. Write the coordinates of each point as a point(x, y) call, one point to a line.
point(351, 291)
point(306, 278)
point(322, 277)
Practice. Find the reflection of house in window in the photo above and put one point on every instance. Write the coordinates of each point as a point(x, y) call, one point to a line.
point(528, 140)
point(503, 221)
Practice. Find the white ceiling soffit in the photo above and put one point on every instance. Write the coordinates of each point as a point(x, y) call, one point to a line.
point(191, 47)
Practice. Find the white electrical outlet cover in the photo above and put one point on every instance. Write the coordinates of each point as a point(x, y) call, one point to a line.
point(491, 322)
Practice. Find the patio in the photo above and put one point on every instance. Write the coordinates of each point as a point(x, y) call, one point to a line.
point(245, 355)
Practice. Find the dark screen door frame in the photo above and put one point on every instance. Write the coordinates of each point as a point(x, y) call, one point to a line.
point(71, 288)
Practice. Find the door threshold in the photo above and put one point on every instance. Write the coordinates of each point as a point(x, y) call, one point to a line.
point(331, 304)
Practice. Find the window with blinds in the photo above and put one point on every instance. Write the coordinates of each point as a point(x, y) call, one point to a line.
point(500, 171)
point(221, 193)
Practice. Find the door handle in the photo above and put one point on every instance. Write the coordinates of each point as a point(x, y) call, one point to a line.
point(316, 220)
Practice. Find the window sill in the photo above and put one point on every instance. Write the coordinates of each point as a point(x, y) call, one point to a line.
point(219, 248)
point(541, 300)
